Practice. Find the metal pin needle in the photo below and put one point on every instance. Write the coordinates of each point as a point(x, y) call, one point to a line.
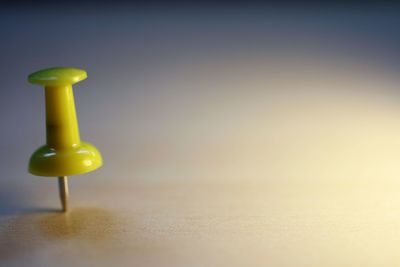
point(63, 188)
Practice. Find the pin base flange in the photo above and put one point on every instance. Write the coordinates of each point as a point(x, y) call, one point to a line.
point(79, 159)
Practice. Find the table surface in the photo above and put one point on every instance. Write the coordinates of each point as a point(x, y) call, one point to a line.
point(231, 137)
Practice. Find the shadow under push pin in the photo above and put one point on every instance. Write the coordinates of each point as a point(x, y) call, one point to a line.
point(64, 154)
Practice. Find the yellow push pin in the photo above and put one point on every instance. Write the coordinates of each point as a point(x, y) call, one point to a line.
point(63, 154)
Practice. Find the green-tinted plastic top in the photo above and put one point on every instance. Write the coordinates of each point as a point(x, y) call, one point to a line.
point(57, 76)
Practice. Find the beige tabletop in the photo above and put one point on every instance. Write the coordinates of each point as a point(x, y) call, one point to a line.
point(226, 141)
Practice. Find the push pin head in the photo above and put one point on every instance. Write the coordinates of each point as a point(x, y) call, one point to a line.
point(57, 76)
point(64, 153)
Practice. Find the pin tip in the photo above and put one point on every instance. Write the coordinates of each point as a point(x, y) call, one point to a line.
point(63, 189)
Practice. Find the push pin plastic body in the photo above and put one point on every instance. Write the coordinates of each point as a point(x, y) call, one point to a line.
point(64, 154)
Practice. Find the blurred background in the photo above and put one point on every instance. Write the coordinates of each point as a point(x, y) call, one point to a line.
point(233, 134)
